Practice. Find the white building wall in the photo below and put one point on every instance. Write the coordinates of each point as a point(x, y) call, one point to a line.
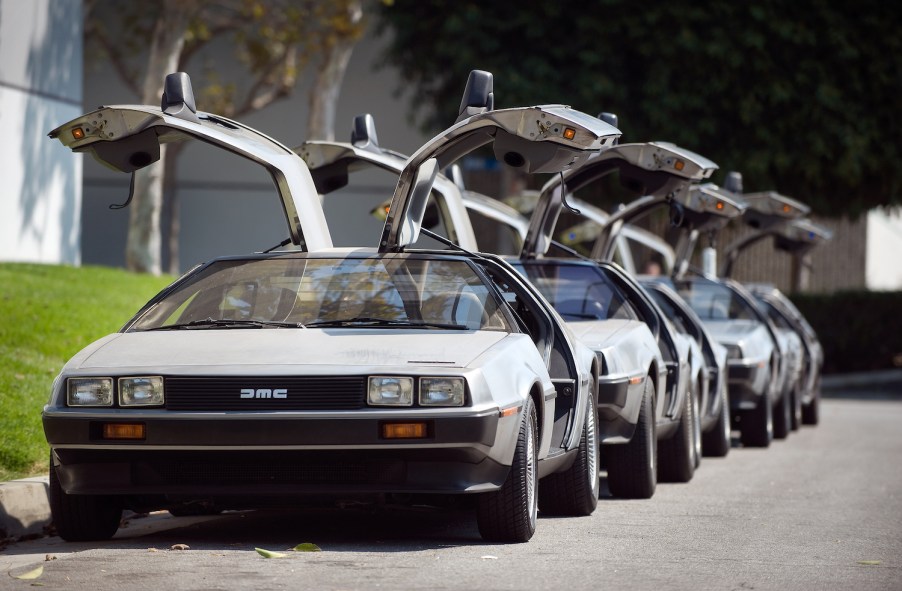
point(40, 87)
point(883, 265)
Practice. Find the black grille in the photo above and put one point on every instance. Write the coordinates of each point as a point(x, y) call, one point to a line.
point(301, 393)
point(190, 473)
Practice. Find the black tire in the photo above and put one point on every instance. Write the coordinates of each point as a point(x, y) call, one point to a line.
point(676, 456)
point(509, 513)
point(83, 518)
point(574, 492)
point(811, 411)
point(717, 440)
point(697, 424)
point(783, 416)
point(795, 415)
point(632, 466)
point(756, 425)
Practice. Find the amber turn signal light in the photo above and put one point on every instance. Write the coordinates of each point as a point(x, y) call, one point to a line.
point(124, 431)
point(78, 133)
point(405, 430)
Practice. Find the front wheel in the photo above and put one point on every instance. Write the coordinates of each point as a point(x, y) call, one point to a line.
point(796, 413)
point(82, 518)
point(574, 491)
point(632, 466)
point(756, 427)
point(716, 442)
point(783, 416)
point(509, 513)
point(676, 457)
point(810, 411)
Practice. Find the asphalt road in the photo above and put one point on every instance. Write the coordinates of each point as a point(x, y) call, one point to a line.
point(821, 510)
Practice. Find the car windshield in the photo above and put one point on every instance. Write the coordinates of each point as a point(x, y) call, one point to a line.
point(577, 292)
point(715, 301)
point(393, 292)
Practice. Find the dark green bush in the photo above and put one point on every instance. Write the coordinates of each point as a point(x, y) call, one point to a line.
point(859, 330)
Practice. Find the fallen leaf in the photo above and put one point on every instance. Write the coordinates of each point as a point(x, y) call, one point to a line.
point(307, 547)
point(869, 562)
point(152, 550)
point(48, 557)
point(32, 574)
point(269, 553)
point(180, 547)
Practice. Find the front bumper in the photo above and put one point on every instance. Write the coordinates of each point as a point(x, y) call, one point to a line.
point(747, 383)
point(619, 399)
point(225, 455)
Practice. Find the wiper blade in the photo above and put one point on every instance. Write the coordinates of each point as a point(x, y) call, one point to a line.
point(368, 321)
point(227, 323)
point(580, 316)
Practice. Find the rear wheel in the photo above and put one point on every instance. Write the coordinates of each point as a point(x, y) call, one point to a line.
point(509, 513)
point(82, 518)
point(756, 425)
point(575, 490)
point(632, 466)
point(676, 456)
point(716, 442)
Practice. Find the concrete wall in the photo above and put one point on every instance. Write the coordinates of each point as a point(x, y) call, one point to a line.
point(40, 87)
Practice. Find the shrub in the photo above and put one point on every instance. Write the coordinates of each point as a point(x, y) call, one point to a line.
point(859, 330)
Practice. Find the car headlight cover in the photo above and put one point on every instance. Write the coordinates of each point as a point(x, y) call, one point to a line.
point(442, 391)
point(89, 392)
point(390, 391)
point(141, 391)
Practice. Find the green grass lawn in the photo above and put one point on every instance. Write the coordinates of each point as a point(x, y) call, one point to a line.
point(47, 314)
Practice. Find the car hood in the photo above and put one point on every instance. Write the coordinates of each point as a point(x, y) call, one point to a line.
point(600, 333)
point(750, 335)
point(281, 350)
point(627, 346)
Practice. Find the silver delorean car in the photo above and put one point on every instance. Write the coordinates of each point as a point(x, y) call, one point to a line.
point(260, 379)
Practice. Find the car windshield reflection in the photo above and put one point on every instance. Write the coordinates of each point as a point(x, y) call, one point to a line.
point(714, 301)
point(577, 292)
point(301, 292)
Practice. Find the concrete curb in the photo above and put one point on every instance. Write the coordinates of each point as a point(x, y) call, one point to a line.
point(24, 507)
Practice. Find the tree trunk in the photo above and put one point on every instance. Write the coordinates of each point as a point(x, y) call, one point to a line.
point(143, 246)
point(172, 210)
point(327, 83)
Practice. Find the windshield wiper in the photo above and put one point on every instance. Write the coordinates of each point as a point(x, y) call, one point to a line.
point(227, 323)
point(369, 321)
point(580, 315)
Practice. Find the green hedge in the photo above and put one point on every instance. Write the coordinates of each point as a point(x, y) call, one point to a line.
point(859, 330)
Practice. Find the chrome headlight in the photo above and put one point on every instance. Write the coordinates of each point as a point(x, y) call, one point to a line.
point(442, 391)
point(141, 391)
point(89, 392)
point(390, 391)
